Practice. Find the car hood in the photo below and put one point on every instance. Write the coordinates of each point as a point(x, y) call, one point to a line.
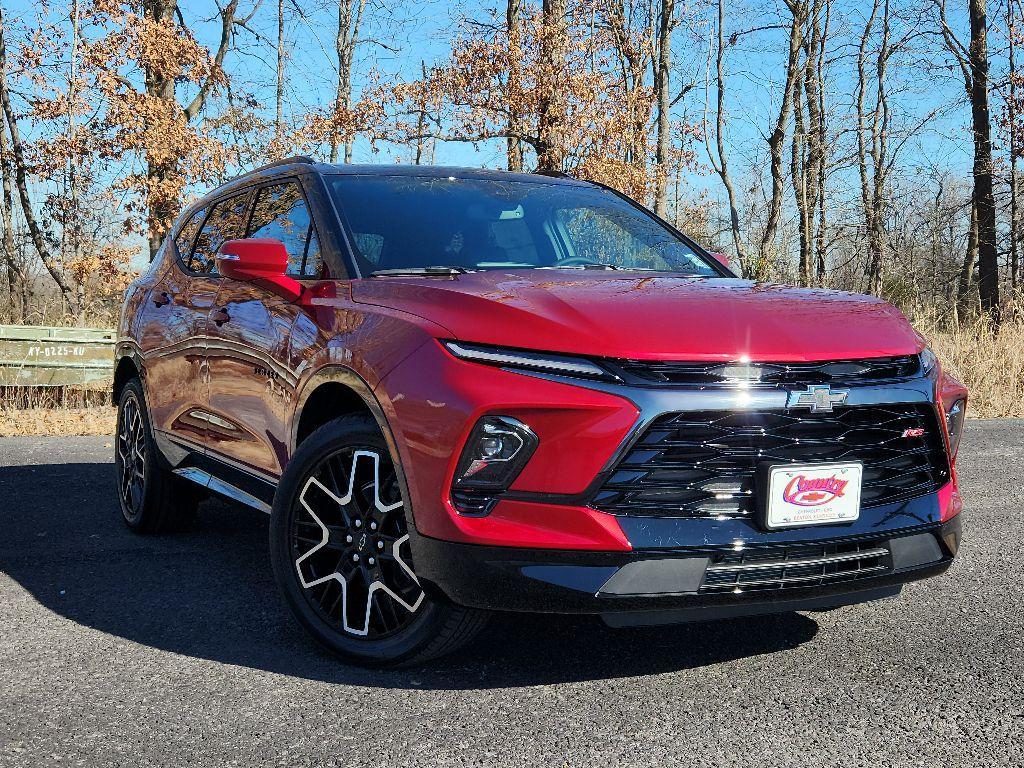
point(649, 317)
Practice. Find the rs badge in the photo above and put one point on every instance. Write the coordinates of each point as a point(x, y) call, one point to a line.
point(819, 398)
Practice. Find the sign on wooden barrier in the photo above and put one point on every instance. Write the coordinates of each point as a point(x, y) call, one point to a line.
point(34, 356)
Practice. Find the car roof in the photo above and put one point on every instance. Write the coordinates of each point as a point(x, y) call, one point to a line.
point(296, 165)
point(443, 171)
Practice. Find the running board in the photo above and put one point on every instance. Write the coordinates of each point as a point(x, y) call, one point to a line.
point(215, 484)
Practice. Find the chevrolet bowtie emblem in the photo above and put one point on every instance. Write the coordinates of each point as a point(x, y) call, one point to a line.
point(817, 398)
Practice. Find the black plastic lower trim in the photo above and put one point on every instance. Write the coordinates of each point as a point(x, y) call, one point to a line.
point(558, 581)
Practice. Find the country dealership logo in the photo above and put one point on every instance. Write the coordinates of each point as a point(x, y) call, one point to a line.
point(813, 491)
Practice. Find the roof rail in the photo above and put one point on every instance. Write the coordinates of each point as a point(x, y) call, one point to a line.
point(304, 159)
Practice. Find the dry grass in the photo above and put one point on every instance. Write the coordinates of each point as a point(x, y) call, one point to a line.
point(990, 364)
point(55, 411)
point(34, 422)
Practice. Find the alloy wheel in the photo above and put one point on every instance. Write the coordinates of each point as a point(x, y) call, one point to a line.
point(131, 452)
point(349, 544)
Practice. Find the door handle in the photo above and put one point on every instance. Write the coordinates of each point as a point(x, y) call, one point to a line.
point(162, 299)
point(220, 316)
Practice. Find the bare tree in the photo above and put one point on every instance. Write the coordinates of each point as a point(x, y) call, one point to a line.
point(974, 67)
point(718, 157)
point(662, 98)
point(40, 240)
point(279, 80)
point(17, 272)
point(350, 19)
point(777, 137)
point(873, 136)
point(1014, 149)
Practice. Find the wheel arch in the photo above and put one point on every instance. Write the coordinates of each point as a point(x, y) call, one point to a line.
point(334, 391)
point(127, 366)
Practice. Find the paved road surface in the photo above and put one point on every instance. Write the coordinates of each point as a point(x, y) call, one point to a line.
point(121, 650)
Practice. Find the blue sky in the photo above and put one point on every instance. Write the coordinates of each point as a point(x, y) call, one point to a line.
point(421, 31)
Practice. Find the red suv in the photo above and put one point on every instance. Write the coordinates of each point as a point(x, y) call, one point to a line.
point(458, 391)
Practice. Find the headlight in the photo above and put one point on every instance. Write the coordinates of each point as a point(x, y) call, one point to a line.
point(531, 361)
point(495, 453)
point(929, 361)
point(955, 424)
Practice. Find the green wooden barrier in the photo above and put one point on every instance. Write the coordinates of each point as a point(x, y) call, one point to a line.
point(34, 356)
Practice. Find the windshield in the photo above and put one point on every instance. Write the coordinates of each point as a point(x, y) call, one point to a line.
point(400, 223)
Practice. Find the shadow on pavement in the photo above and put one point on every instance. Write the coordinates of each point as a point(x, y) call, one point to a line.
point(209, 593)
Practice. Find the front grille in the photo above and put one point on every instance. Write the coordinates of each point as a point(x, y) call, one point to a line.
point(869, 370)
point(704, 463)
point(796, 566)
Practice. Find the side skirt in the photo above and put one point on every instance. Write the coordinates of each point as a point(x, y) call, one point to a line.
point(222, 488)
point(191, 462)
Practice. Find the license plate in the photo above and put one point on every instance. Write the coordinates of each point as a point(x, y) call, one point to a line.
point(813, 494)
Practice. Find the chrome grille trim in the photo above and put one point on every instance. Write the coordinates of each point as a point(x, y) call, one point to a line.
point(840, 558)
point(796, 565)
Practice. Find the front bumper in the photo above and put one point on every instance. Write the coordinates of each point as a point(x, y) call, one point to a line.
point(432, 401)
point(664, 586)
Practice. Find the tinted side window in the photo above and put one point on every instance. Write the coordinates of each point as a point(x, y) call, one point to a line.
point(280, 212)
point(225, 222)
point(187, 233)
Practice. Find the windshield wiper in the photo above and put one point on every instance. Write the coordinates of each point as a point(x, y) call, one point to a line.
point(611, 267)
point(420, 271)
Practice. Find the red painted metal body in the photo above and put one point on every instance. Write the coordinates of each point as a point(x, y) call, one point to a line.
point(229, 362)
point(650, 317)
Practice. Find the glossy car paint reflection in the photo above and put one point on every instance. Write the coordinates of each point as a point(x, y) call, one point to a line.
point(171, 337)
point(650, 317)
point(252, 383)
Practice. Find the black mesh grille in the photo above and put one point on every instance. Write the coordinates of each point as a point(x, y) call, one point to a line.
point(770, 374)
point(796, 566)
point(703, 463)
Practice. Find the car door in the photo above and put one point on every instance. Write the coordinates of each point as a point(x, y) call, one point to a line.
point(171, 338)
point(251, 381)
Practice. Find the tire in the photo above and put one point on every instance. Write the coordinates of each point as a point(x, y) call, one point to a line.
point(152, 499)
point(340, 553)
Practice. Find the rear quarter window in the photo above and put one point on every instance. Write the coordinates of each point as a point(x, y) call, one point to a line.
point(186, 235)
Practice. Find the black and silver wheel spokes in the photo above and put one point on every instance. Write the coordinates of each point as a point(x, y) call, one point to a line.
point(351, 545)
point(131, 452)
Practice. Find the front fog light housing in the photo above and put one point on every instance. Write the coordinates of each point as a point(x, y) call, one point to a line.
point(495, 453)
point(955, 424)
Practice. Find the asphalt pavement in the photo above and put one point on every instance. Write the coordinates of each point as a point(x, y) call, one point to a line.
point(176, 650)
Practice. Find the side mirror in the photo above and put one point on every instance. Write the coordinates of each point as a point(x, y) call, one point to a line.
point(259, 260)
point(722, 259)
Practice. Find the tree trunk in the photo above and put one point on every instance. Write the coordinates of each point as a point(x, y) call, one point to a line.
point(17, 279)
point(514, 145)
point(964, 296)
point(159, 170)
point(984, 199)
point(662, 79)
point(799, 173)
point(279, 94)
point(1011, 109)
point(814, 88)
point(163, 207)
point(551, 117)
point(721, 164)
point(350, 17)
point(777, 138)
